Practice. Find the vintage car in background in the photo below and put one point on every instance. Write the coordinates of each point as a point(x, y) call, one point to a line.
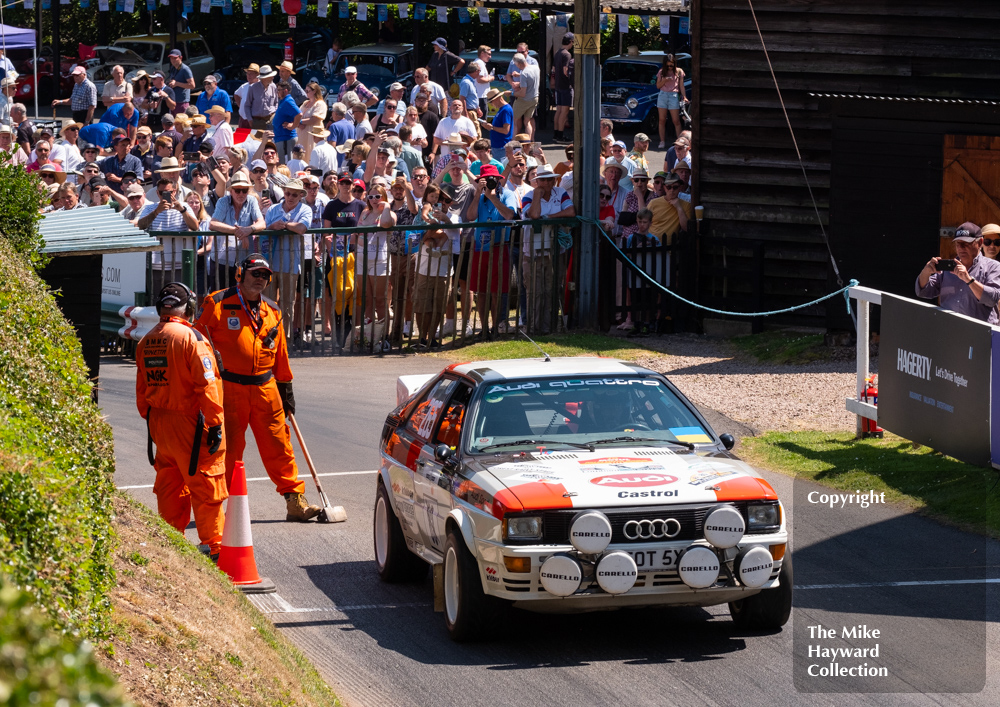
point(574, 484)
point(149, 52)
point(628, 87)
point(379, 66)
point(310, 47)
point(497, 65)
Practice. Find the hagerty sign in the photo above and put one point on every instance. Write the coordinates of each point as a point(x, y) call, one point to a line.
point(934, 378)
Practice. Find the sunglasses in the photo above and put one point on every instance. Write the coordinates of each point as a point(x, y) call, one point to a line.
point(374, 197)
point(605, 195)
point(47, 175)
point(657, 181)
point(991, 241)
point(135, 196)
point(640, 179)
point(312, 186)
point(357, 190)
point(270, 152)
point(261, 274)
point(259, 171)
point(237, 190)
point(420, 176)
point(674, 186)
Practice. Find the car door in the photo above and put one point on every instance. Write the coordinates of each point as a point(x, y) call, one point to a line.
point(200, 59)
point(434, 485)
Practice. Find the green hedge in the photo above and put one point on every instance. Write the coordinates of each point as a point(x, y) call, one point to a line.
point(56, 459)
point(40, 666)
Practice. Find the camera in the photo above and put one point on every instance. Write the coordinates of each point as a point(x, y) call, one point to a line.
point(153, 95)
point(491, 183)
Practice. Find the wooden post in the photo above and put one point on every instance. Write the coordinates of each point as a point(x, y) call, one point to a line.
point(586, 140)
point(541, 120)
point(56, 73)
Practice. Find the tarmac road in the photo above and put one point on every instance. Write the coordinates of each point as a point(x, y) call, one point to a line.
point(382, 644)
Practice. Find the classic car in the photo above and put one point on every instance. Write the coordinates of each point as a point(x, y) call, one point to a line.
point(378, 65)
point(149, 52)
point(311, 45)
point(628, 87)
point(573, 484)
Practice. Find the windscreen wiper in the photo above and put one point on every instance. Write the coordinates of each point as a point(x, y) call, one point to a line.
point(589, 446)
point(689, 445)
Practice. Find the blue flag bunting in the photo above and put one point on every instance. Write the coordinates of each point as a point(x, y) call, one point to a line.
point(605, 18)
point(227, 7)
point(46, 4)
point(120, 5)
point(463, 16)
point(150, 5)
point(189, 6)
point(383, 12)
point(419, 11)
point(343, 10)
point(562, 19)
point(85, 4)
point(304, 7)
point(504, 16)
point(685, 26)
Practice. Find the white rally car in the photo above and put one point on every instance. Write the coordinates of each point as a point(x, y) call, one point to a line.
point(571, 485)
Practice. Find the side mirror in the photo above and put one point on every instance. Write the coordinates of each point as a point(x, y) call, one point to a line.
point(446, 455)
point(728, 441)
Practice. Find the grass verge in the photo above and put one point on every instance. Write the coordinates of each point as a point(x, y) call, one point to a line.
point(182, 634)
point(937, 485)
point(783, 347)
point(554, 345)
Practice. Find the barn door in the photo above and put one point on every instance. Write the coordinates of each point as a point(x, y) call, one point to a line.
point(971, 186)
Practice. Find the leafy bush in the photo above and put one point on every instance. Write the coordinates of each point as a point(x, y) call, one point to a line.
point(20, 200)
point(41, 666)
point(56, 459)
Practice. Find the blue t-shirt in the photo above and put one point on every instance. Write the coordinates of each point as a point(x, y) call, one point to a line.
point(285, 113)
point(486, 237)
point(504, 116)
point(115, 117)
point(467, 91)
point(98, 133)
point(181, 75)
point(477, 165)
point(219, 98)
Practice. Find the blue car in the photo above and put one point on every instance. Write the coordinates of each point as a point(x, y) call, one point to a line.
point(628, 87)
point(379, 66)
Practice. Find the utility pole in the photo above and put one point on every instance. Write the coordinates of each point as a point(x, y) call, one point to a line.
point(586, 146)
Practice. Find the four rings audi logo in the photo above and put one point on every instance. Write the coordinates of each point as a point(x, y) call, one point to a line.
point(655, 528)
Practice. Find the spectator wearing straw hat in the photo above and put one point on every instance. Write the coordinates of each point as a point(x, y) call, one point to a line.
point(240, 96)
point(8, 87)
point(503, 123)
point(262, 99)
point(286, 73)
point(670, 212)
point(17, 156)
point(456, 124)
point(221, 131)
point(170, 169)
point(238, 217)
point(211, 96)
point(324, 156)
point(619, 183)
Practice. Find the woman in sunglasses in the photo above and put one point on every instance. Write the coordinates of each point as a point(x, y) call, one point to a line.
point(991, 241)
point(670, 82)
point(374, 249)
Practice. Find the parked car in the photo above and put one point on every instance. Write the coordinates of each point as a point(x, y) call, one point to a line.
point(628, 87)
point(378, 65)
point(498, 64)
point(568, 485)
point(149, 52)
point(311, 44)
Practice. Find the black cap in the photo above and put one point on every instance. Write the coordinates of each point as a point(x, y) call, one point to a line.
point(967, 232)
point(97, 182)
point(173, 295)
point(207, 145)
point(255, 261)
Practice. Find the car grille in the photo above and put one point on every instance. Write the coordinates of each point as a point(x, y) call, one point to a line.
point(613, 112)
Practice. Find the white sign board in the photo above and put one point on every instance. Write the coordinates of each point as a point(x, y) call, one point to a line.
point(122, 275)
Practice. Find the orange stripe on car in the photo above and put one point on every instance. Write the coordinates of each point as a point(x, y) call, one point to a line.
point(744, 488)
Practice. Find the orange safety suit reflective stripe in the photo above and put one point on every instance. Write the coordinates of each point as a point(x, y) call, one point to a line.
point(253, 400)
point(177, 377)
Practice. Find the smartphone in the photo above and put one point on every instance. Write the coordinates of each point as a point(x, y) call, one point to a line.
point(192, 156)
point(266, 194)
point(167, 197)
point(212, 162)
point(945, 265)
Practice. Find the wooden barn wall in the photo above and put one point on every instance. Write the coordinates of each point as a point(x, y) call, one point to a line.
point(77, 279)
point(747, 174)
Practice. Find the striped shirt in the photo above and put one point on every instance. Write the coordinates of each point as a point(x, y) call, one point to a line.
point(84, 95)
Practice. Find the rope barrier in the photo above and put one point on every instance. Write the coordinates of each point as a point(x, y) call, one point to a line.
point(646, 276)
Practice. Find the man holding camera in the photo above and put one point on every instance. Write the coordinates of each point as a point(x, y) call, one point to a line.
point(167, 214)
point(969, 284)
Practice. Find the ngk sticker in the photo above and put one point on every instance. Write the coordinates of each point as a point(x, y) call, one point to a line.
point(634, 480)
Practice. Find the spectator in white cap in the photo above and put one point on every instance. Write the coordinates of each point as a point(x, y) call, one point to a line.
point(262, 99)
point(352, 85)
point(443, 66)
point(136, 200)
point(83, 100)
point(396, 91)
point(8, 86)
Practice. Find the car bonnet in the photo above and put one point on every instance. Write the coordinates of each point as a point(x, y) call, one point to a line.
point(620, 477)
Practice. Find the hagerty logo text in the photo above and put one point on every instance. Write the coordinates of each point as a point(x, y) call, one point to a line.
point(913, 364)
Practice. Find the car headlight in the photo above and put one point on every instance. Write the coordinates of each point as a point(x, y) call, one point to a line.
point(522, 528)
point(26, 89)
point(374, 91)
point(762, 516)
point(631, 104)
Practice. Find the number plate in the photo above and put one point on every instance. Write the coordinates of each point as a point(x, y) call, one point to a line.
point(655, 559)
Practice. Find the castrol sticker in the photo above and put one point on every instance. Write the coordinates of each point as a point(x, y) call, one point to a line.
point(633, 480)
point(615, 460)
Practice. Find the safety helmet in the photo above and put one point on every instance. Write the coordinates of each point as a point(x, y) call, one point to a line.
point(251, 262)
point(174, 295)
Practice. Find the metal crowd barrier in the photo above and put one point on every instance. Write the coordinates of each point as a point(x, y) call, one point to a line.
point(375, 290)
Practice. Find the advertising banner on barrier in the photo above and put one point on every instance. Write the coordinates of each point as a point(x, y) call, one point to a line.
point(122, 276)
point(995, 402)
point(934, 378)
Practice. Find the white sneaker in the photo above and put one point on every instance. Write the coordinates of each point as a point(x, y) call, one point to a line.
point(470, 330)
point(448, 328)
point(662, 144)
point(406, 328)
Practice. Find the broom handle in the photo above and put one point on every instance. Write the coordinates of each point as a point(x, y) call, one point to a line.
point(305, 451)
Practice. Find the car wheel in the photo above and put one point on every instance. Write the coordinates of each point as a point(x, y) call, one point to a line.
point(467, 609)
point(395, 563)
point(768, 609)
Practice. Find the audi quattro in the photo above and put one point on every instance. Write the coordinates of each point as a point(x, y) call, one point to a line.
point(575, 484)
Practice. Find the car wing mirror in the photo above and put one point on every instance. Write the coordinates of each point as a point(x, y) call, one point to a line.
point(728, 441)
point(446, 455)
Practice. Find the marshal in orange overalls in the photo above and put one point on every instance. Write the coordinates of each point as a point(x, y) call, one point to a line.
point(177, 377)
point(254, 359)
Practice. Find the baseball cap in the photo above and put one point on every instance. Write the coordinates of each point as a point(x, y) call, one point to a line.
point(641, 137)
point(78, 70)
point(207, 146)
point(116, 140)
point(255, 261)
point(167, 118)
point(157, 74)
point(344, 178)
point(351, 70)
point(968, 232)
point(173, 295)
point(97, 182)
point(134, 190)
point(618, 143)
point(257, 164)
point(396, 86)
point(359, 183)
point(175, 52)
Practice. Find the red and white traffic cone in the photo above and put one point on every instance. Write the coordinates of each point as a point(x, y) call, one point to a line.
point(236, 556)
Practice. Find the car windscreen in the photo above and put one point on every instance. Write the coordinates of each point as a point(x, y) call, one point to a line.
point(630, 72)
point(149, 51)
point(372, 64)
point(581, 411)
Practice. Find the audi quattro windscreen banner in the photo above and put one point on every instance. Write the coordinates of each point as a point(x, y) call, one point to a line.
point(934, 378)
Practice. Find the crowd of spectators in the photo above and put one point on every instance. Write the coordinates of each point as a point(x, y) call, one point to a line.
point(452, 151)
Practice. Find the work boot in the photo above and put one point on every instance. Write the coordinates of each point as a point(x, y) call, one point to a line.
point(299, 508)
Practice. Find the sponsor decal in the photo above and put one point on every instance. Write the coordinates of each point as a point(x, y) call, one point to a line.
point(603, 381)
point(234, 323)
point(158, 376)
point(614, 460)
point(210, 376)
point(511, 388)
point(206, 361)
point(648, 494)
point(491, 574)
point(155, 361)
point(913, 364)
point(690, 434)
point(484, 441)
point(634, 479)
point(536, 476)
point(703, 476)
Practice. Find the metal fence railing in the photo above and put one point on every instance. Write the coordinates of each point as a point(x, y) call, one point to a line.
point(372, 290)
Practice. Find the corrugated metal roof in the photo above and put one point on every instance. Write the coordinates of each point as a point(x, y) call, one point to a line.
point(906, 99)
point(98, 229)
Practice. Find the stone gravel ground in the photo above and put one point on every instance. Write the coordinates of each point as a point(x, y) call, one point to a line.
point(763, 396)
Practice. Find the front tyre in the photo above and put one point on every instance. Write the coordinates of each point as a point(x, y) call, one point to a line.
point(770, 608)
point(395, 563)
point(467, 609)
